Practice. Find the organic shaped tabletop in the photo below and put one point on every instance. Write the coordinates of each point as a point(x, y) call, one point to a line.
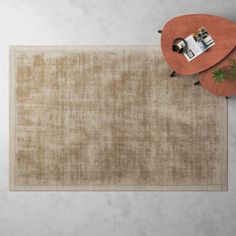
point(223, 32)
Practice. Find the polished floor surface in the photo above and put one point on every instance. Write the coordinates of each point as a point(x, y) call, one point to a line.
point(109, 22)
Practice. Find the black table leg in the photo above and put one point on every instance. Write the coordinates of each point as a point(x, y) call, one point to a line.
point(196, 83)
point(173, 73)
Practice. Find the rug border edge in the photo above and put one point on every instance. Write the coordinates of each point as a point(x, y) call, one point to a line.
point(217, 188)
point(11, 116)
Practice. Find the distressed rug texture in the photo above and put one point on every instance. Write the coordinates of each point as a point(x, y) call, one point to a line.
point(111, 118)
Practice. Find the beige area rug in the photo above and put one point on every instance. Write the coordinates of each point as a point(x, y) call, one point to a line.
point(111, 118)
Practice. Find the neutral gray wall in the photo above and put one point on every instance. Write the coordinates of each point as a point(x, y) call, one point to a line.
point(61, 22)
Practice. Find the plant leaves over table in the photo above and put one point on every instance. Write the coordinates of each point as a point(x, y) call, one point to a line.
point(223, 73)
point(219, 75)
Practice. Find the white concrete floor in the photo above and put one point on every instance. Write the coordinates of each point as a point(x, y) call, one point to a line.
point(130, 22)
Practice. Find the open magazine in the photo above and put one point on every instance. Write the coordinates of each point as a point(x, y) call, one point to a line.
point(197, 43)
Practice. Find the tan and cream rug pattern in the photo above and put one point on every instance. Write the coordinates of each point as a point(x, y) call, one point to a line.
point(111, 118)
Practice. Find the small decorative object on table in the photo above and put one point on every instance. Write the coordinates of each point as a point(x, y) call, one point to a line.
point(195, 44)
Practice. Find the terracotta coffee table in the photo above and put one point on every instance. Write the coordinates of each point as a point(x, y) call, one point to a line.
point(227, 88)
point(223, 32)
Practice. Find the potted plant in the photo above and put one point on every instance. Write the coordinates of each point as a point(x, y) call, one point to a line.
point(226, 72)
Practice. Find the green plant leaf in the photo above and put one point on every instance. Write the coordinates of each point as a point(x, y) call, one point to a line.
point(223, 73)
point(219, 75)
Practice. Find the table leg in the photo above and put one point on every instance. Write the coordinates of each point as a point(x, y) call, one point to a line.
point(173, 74)
point(196, 83)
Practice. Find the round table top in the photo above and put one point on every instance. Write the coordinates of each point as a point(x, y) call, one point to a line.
point(226, 87)
point(223, 32)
